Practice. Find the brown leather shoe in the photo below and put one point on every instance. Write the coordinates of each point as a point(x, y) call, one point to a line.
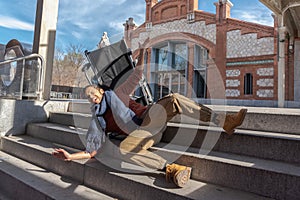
point(234, 120)
point(180, 174)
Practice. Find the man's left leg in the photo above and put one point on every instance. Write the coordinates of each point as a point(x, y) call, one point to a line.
point(135, 150)
point(136, 145)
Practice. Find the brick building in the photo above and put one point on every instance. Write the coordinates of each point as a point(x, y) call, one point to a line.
point(205, 55)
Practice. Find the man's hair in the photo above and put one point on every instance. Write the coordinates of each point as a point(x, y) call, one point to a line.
point(96, 86)
point(104, 87)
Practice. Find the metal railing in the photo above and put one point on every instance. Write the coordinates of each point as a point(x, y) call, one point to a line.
point(40, 68)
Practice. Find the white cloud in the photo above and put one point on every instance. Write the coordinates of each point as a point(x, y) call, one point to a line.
point(77, 35)
point(13, 23)
point(91, 18)
point(257, 15)
point(99, 12)
point(117, 26)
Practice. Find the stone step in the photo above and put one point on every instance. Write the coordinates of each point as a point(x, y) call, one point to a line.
point(274, 179)
point(80, 120)
point(80, 107)
point(236, 146)
point(265, 145)
point(38, 152)
point(281, 120)
point(58, 133)
point(260, 144)
point(113, 182)
point(23, 180)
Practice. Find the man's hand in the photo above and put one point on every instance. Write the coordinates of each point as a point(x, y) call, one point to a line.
point(61, 154)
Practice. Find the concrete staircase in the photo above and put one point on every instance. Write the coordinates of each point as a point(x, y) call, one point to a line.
point(261, 161)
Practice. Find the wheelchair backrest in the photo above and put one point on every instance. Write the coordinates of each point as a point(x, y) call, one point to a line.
point(111, 63)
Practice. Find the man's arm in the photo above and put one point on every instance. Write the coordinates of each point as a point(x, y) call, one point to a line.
point(66, 156)
point(128, 87)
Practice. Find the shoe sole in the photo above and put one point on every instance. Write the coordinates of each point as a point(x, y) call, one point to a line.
point(182, 177)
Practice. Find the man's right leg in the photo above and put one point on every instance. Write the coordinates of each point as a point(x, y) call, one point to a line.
point(179, 104)
point(175, 103)
point(230, 121)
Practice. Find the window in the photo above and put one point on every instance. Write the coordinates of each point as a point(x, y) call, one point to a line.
point(248, 79)
point(145, 62)
point(179, 57)
point(162, 58)
point(199, 82)
point(170, 68)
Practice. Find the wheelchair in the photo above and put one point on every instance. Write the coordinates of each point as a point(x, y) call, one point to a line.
point(111, 65)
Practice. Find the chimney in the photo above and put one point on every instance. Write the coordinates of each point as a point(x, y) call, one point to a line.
point(129, 26)
point(192, 5)
point(223, 9)
point(149, 5)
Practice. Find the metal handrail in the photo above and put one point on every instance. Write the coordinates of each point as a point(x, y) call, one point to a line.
point(41, 69)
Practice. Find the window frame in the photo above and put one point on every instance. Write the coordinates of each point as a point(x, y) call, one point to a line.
point(169, 72)
point(248, 84)
point(200, 67)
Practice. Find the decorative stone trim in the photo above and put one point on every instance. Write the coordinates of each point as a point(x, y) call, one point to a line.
point(233, 73)
point(199, 28)
point(266, 82)
point(246, 27)
point(233, 83)
point(190, 17)
point(148, 26)
point(232, 93)
point(265, 93)
point(265, 71)
point(209, 18)
point(247, 45)
point(256, 62)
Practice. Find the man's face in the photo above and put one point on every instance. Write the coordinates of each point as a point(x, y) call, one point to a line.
point(94, 95)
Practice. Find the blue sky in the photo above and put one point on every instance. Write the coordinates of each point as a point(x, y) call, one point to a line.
point(82, 22)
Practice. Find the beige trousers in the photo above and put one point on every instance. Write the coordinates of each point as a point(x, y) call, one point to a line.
point(135, 147)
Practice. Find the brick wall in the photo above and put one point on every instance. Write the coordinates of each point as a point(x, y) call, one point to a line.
point(235, 47)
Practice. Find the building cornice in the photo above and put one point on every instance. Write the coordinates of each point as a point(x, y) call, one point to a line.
point(249, 27)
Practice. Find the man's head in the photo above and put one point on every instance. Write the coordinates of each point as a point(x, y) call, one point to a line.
point(94, 93)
